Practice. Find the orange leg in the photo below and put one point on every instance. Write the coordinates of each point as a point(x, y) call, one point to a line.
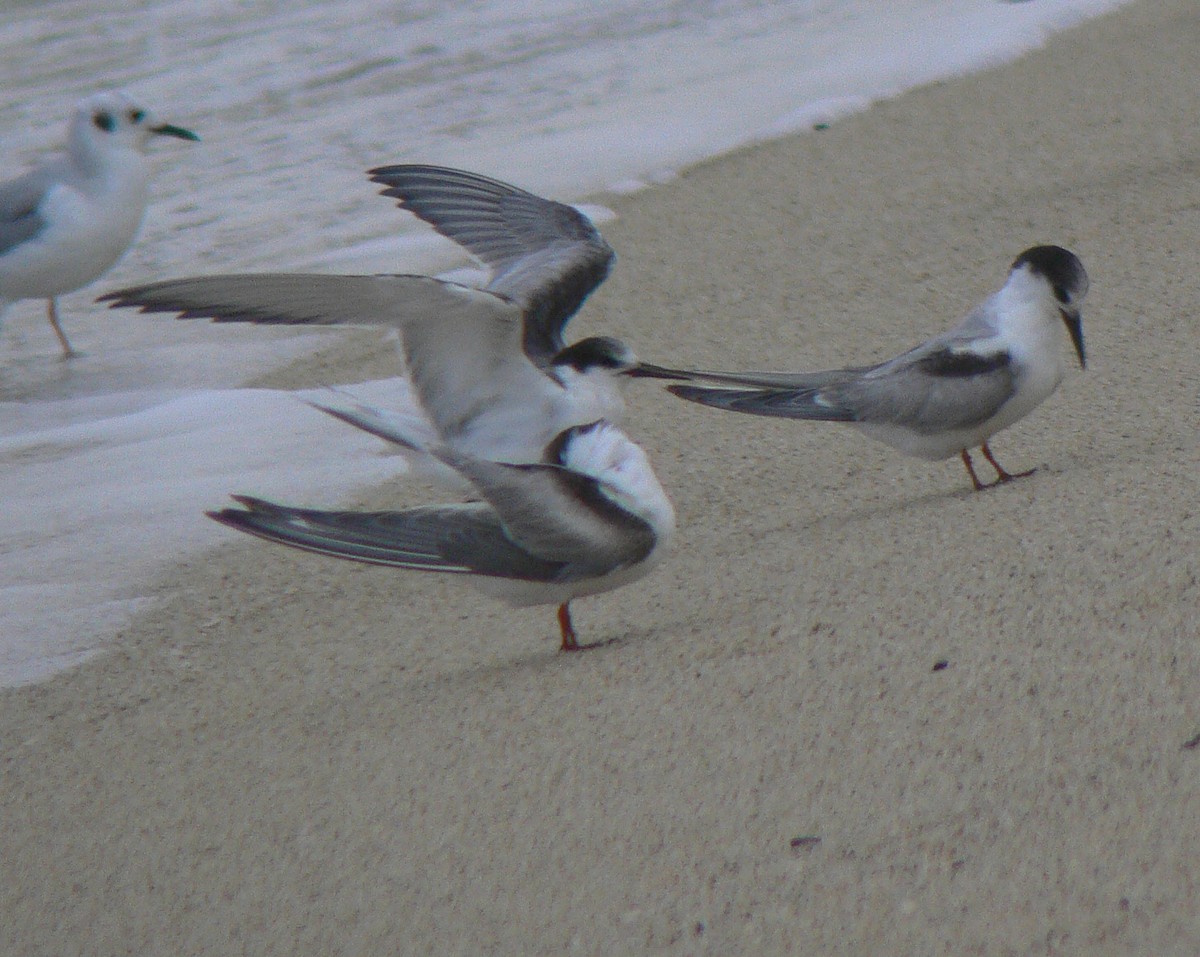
point(569, 640)
point(52, 315)
point(966, 457)
point(1003, 475)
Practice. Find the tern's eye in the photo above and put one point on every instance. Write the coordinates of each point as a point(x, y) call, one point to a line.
point(105, 122)
point(1061, 294)
point(136, 116)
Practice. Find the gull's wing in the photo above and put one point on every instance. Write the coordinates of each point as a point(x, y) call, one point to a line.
point(935, 388)
point(457, 539)
point(462, 345)
point(19, 202)
point(557, 514)
point(545, 256)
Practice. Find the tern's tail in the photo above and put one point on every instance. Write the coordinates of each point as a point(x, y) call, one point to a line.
point(411, 432)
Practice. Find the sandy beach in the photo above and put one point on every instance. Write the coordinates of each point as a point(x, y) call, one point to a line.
point(859, 710)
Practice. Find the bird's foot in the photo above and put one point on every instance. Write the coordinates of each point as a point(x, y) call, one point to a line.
point(1002, 474)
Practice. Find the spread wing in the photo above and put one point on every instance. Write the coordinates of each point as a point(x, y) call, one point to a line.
point(545, 256)
point(462, 345)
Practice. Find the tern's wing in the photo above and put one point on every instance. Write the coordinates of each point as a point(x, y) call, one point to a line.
point(19, 202)
point(297, 298)
point(458, 539)
point(558, 514)
point(931, 390)
point(761, 380)
point(462, 345)
point(545, 256)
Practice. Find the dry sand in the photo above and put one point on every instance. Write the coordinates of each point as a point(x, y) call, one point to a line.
point(300, 756)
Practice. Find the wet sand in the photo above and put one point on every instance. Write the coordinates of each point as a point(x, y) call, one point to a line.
point(860, 709)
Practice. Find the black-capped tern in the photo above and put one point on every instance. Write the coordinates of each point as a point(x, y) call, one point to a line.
point(949, 394)
point(590, 518)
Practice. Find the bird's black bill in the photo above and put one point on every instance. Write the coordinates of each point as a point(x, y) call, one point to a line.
point(646, 370)
point(169, 129)
point(1075, 328)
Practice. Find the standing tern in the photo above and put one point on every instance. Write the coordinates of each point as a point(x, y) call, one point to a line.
point(66, 222)
point(949, 394)
point(489, 365)
point(590, 518)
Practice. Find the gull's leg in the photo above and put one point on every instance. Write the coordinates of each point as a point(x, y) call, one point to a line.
point(52, 315)
point(569, 641)
point(966, 457)
point(1003, 475)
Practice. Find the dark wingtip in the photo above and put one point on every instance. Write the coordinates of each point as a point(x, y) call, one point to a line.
point(693, 393)
point(240, 518)
point(229, 517)
point(129, 299)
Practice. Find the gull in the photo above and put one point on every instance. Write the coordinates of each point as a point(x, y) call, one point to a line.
point(66, 222)
point(589, 518)
point(949, 394)
point(491, 369)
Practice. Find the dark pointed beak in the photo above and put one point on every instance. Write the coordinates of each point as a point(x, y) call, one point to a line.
point(647, 370)
point(168, 129)
point(1074, 323)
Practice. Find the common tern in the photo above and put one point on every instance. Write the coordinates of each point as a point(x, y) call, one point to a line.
point(489, 365)
point(949, 394)
point(590, 518)
point(67, 221)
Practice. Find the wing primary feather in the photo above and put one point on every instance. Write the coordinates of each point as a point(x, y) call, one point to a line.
point(777, 403)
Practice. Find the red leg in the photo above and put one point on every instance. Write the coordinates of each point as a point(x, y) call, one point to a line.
point(966, 457)
point(1003, 475)
point(52, 315)
point(569, 641)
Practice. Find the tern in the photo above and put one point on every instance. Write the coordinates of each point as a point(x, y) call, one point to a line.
point(949, 394)
point(67, 221)
point(590, 518)
point(490, 366)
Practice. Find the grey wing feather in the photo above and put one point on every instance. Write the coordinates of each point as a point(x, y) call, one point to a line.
point(461, 344)
point(929, 390)
point(557, 514)
point(455, 539)
point(769, 380)
point(19, 202)
point(778, 403)
point(932, 389)
point(295, 298)
point(545, 256)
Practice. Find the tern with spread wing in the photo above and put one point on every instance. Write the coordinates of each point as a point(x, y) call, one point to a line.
point(66, 222)
point(590, 518)
point(949, 394)
point(490, 365)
